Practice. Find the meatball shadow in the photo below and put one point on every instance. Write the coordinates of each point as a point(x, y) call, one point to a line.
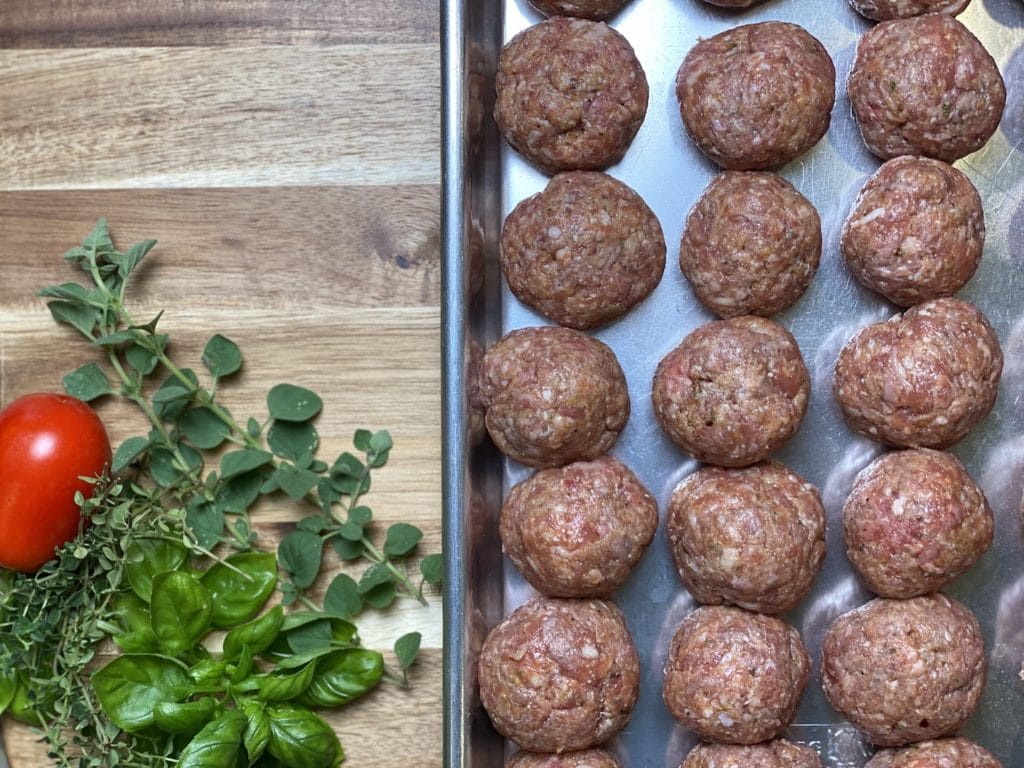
point(821, 612)
point(731, 16)
point(527, 11)
point(844, 134)
point(680, 743)
point(1009, 13)
point(824, 362)
point(1013, 113)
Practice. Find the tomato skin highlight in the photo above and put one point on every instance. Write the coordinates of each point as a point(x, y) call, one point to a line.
point(47, 442)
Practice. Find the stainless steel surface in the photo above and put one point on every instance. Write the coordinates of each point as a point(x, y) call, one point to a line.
point(670, 173)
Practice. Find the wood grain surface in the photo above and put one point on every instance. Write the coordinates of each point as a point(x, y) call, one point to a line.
point(285, 154)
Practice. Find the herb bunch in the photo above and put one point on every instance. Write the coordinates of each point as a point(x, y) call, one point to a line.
point(186, 487)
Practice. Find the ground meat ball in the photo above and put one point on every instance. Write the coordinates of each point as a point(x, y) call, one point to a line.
point(733, 391)
point(925, 86)
point(754, 537)
point(587, 758)
point(920, 379)
point(476, 429)
point(577, 531)
point(596, 10)
point(734, 676)
point(757, 96)
point(773, 754)
point(914, 521)
point(883, 10)
point(944, 753)
point(571, 95)
point(584, 251)
point(905, 670)
point(916, 231)
point(553, 396)
point(751, 244)
point(559, 675)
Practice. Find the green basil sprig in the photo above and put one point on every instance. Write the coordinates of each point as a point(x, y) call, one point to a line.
point(252, 702)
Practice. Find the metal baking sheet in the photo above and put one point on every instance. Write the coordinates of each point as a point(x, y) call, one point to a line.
point(484, 179)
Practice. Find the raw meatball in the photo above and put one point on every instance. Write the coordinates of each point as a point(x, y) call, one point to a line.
point(757, 96)
point(754, 537)
point(914, 521)
point(733, 391)
point(944, 753)
point(751, 244)
point(553, 396)
point(921, 379)
point(916, 231)
point(596, 10)
point(475, 427)
point(773, 754)
point(584, 251)
point(734, 676)
point(577, 531)
point(925, 86)
point(571, 95)
point(559, 675)
point(883, 10)
point(587, 758)
point(905, 670)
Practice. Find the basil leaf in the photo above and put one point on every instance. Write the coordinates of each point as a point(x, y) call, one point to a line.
point(343, 676)
point(301, 659)
point(258, 634)
point(257, 729)
point(219, 743)
point(237, 597)
point(183, 718)
point(23, 707)
point(130, 687)
point(181, 609)
point(243, 667)
point(147, 558)
point(138, 634)
point(8, 685)
point(208, 671)
point(301, 739)
point(276, 687)
point(138, 641)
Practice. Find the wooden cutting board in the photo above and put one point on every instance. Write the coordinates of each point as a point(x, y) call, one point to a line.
point(285, 154)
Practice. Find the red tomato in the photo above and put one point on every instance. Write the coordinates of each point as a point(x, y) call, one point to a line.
point(47, 442)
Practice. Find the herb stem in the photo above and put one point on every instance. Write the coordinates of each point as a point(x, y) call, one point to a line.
point(374, 554)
